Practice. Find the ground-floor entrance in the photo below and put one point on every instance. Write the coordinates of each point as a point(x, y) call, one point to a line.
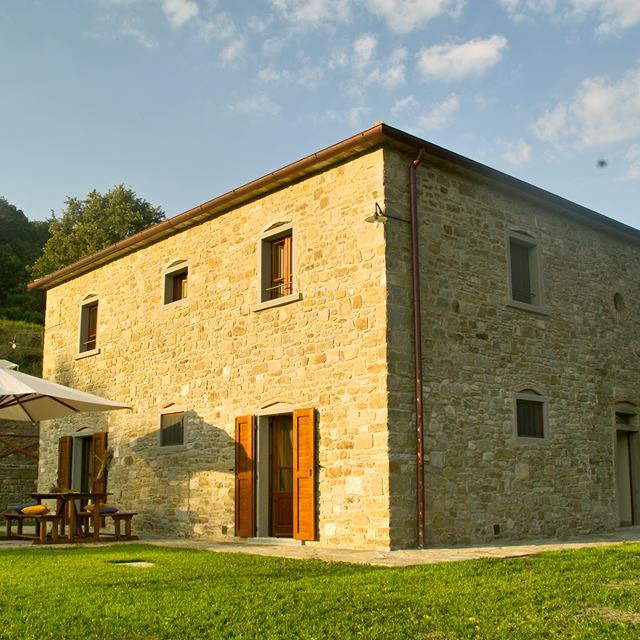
point(275, 475)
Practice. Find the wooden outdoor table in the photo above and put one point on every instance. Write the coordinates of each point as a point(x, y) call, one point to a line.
point(66, 507)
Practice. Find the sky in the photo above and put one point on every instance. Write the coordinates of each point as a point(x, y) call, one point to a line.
point(184, 100)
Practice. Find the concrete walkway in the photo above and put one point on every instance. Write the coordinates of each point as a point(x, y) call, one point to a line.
point(401, 558)
point(404, 557)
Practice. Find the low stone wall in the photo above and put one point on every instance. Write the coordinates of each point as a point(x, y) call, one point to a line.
point(18, 471)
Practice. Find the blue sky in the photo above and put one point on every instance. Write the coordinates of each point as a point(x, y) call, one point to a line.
point(186, 99)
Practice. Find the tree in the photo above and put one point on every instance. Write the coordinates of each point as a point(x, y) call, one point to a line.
point(21, 241)
point(91, 224)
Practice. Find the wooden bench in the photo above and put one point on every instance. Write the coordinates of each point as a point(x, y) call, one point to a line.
point(86, 517)
point(41, 527)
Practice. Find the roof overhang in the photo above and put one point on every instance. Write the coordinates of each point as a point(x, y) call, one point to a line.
point(379, 135)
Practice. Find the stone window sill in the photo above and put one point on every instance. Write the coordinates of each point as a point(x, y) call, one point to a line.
point(86, 354)
point(175, 448)
point(268, 304)
point(533, 308)
point(176, 304)
point(534, 441)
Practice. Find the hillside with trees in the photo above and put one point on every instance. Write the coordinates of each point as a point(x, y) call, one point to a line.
point(21, 242)
point(31, 249)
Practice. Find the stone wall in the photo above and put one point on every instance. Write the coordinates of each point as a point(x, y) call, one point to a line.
point(18, 472)
point(214, 357)
point(477, 350)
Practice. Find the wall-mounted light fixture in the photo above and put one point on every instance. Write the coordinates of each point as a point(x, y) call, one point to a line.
point(380, 216)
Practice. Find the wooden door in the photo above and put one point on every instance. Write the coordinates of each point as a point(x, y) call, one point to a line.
point(304, 481)
point(281, 445)
point(624, 487)
point(98, 468)
point(65, 447)
point(245, 477)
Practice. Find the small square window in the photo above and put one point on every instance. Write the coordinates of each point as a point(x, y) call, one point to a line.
point(525, 288)
point(531, 416)
point(172, 429)
point(176, 285)
point(88, 326)
point(276, 278)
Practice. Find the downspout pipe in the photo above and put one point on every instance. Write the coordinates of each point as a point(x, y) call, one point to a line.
point(417, 344)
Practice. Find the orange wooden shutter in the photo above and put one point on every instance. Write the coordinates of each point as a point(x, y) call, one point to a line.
point(99, 458)
point(304, 481)
point(245, 478)
point(65, 445)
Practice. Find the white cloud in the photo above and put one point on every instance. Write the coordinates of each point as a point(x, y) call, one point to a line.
point(442, 114)
point(600, 112)
point(633, 156)
point(611, 16)
point(356, 114)
point(402, 105)
point(232, 52)
point(131, 31)
point(219, 26)
point(391, 74)
point(259, 104)
point(179, 12)
point(517, 152)
point(306, 76)
point(272, 46)
point(452, 61)
point(403, 16)
point(314, 12)
point(364, 49)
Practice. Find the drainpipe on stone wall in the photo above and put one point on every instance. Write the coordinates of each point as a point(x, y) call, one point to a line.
point(417, 345)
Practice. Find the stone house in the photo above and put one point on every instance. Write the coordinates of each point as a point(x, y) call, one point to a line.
point(265, 342)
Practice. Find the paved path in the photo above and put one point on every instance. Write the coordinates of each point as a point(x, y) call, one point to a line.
point(406, 557)
point(400, 558)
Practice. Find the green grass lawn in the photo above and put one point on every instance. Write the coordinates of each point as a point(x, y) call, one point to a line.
point(84, 593)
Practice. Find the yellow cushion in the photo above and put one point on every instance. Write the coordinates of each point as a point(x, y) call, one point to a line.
point(35, 510)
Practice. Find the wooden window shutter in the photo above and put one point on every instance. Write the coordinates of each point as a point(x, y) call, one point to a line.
point(245, 477)
point(304, 481)
point(99, 462)
point(65, 446)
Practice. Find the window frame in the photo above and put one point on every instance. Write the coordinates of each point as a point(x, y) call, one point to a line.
point(170, 273)
point(264, 252)
point(531, 394)
point(168, 411)
point(535, 272)
point(87, 304)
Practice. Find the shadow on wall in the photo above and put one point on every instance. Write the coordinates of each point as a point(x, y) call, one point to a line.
point(180, 490)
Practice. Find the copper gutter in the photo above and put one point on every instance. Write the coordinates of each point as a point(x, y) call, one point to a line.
point(367, 140)
point(362, 141)
point(417, 344)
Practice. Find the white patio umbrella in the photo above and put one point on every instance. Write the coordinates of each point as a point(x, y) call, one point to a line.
point(27, 398)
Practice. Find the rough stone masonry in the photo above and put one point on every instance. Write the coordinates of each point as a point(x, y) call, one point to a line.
point(345, 349)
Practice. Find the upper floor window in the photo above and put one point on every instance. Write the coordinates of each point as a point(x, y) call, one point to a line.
point(89, 326)
point(531, 415)
point(276, 263)
point(525, 281)
point(280, 281)
point(176, 285)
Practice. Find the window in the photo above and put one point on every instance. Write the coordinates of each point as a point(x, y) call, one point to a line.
point(176, 285)
point(88, 326)
point(280, 280)
point(525, 288)
point(531, 415)
point(172, 429)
